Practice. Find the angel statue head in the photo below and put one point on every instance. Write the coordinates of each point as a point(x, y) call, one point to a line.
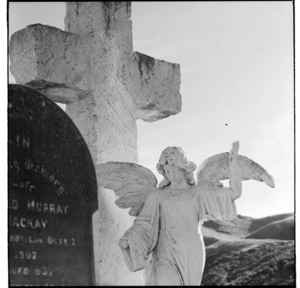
point(175, 156)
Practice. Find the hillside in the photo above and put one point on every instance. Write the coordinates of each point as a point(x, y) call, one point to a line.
point(281, 230)
point(250, 251)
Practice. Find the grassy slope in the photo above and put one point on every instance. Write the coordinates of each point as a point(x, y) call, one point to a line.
point(250, 251)
point(283, 230)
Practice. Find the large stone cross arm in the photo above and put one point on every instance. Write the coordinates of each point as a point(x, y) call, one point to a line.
point(68, 67)
point(156, 87)
point(51, 61)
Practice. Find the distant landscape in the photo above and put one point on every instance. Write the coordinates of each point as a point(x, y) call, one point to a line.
point(250, 251)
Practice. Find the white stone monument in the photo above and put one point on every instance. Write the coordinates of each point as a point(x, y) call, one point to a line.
point(167, 227)
point(91, 67)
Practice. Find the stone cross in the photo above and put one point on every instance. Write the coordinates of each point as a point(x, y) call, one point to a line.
point(91, 67)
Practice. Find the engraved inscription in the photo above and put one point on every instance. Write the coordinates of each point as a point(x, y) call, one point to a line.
point(50, 240)
point(57, 241)
point(21, 141)
point(25, 186)
point(42, 271)
point(29, 255)
point(44, 207)
point(46, 284)
point(73, 241)
point(39, 271)
point(52, 194)
point(13, 204)
point(40, 169)
point(14, 165)
point(25, 222)
point(19, 271)
point(25, 239)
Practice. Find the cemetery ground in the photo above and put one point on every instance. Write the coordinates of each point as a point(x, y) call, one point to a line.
point(250, 251)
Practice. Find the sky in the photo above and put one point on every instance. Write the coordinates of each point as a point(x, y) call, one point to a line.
point(236, 61)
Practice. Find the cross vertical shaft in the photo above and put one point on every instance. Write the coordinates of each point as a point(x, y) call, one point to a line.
point(91, 67)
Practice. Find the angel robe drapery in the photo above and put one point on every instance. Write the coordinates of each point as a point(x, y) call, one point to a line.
point(167, 230)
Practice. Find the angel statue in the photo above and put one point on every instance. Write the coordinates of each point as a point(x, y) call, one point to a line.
point(165, 240)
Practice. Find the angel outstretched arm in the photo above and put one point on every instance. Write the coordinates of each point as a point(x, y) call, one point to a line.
point(235, 181)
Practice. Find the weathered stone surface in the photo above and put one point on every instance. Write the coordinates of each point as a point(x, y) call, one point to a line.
point(106, 87)
point(156, 89)
point(105, 19)
point(216, 168)
point(44, 52)
point(131, 182)
point(57, 92)
point(52, 194)
point(105, 118)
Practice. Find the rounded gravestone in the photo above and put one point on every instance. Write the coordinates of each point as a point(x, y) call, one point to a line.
point(52, 194)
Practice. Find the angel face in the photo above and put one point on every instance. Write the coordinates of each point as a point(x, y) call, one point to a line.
point(175, 174)
point(175, 157)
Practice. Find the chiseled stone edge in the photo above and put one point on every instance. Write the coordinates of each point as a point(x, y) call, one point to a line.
point(154, 84)
point(156, 92)
point(58, 92)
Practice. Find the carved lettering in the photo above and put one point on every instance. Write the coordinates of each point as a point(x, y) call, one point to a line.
point(26, 143)
point(25, 239)
point(73, 242)
point(18, 140)
point(56, 182)
point(14, 165)
point(19, 271)
point(23, 223)
point(44, 284)
point(25, 186)
point(57, 241)
point(44, 172)
point(35, 206)
point(29, 165)
point(65, 208)
point(28, 255)
point(36, 168)
point(46, 208)
point(60, 190)
point(42, 230)
point(59, 210)
point(52, 208)
point(43, 271)
point(36, 240)
point(27, 222)
point(23, 142)
point(13, 222)
point(44, 223)
point(13, 205)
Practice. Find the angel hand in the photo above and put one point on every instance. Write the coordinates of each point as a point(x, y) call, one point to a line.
point(123, 243)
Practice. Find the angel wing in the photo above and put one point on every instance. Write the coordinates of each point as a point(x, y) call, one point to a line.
point(130, 182)
point(216, 168)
